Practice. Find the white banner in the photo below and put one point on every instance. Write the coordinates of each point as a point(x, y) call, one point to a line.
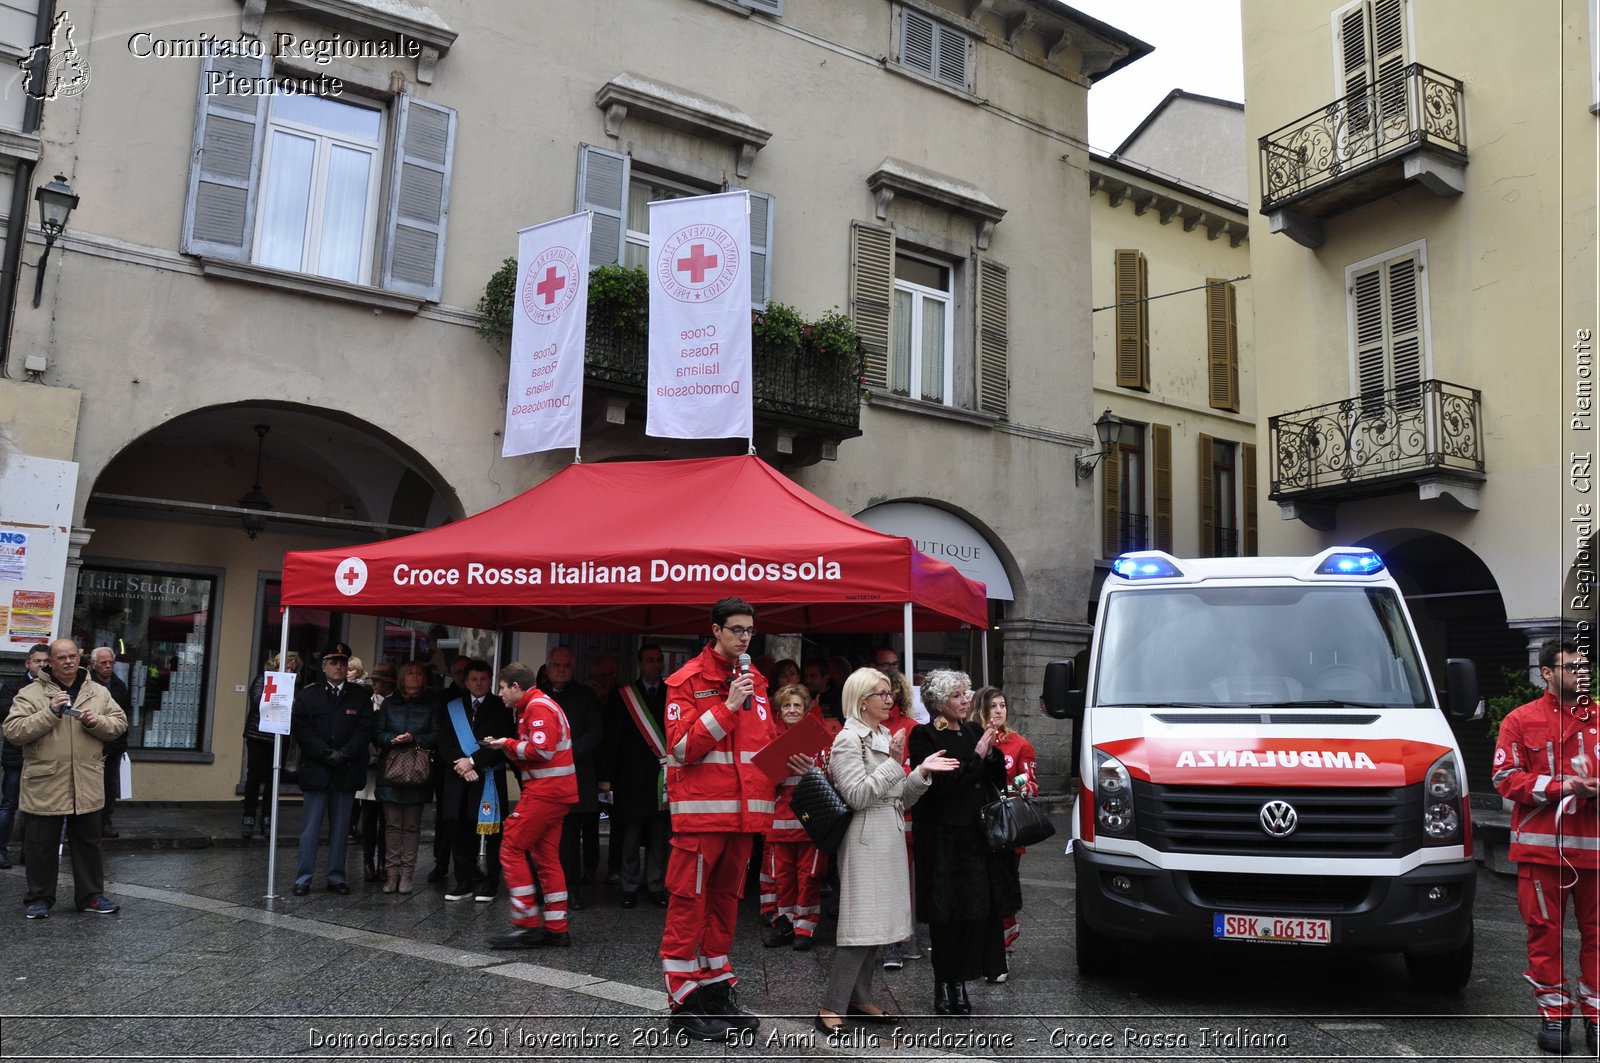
point(700, 373)
point(544, 400)
point(277, 702)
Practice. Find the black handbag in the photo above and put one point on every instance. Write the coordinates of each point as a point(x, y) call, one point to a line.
point(821, 810)
point(1015, 823)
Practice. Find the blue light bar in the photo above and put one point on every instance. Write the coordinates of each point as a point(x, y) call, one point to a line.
point(1352, 563)
point(1136, 567)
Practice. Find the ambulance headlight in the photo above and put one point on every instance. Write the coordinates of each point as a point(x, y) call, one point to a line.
point(1113, 796)
point(1442, 823)
point(1442, 795)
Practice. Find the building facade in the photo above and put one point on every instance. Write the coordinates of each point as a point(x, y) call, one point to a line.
point(1425, 301)
point(258, 332)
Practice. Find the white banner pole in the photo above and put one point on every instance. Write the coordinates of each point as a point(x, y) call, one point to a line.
point(277, 761)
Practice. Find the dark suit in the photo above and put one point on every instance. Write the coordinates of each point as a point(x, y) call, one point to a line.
point(581, 706)
point(115, 748)
point(458, 803)
point(324, 724)
point(633, 769)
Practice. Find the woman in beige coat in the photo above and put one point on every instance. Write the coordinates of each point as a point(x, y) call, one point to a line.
point(865, 765)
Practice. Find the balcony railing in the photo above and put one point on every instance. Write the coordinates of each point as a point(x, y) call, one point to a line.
point(806, 388)
point(1356, 446)
point(1131, 532)
point(1414, 109)
point(1224, 542)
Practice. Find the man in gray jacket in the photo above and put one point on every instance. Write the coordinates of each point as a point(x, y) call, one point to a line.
point(62, 721)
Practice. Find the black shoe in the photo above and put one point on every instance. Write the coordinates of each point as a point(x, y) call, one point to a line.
point(942, 999)
point(781, 933)
point(1553, 1035)
point(247, 827)
point(660, 899)
point(880, 1017)
point(828, 1028)
point(718, 1000)
point(373, 874)
point(5, 863)
point(1589, 1036)
point(959, 1004)
point(439, 873)
point(340, 888)
point(462, 892)
point(574, 904)
point(302, 888)
point(802, 943)
point(517, 937)
point(696, 1025)
point(630, 899)
point(108, 831)
point(556, 941)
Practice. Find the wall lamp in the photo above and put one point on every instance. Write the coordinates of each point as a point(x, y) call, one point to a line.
point(254, 500)
point(56, 201)
point(1106, 430)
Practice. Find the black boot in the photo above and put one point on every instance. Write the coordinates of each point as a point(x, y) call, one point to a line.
point(692, 1020)
point(1589, 1036)
point(941, 998)
point(718, 1000)
point(959, 1004)
point(1553, 1035)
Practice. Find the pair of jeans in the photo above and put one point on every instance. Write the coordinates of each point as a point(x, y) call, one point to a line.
point(10, 787)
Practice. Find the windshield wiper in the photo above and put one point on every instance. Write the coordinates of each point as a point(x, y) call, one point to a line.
point(1331, 703)
point(1160, 705)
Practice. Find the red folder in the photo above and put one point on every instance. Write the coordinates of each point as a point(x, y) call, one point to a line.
point(808, 738)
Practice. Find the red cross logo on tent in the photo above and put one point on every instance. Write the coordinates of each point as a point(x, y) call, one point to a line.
point(350, 576)
point(550, 283)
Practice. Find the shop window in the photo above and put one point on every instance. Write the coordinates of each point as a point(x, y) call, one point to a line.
point(158, 622)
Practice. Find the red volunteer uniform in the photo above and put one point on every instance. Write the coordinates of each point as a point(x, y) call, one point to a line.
point(1555, 842)
point(793, 868)
point(719, 800)
point(1020, 760)
point(549, 781)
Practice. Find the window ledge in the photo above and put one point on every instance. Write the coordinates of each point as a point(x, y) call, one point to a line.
point(171, 756)
point(306, 284)
point(894, 176)
point(681, 109)
point(889, 400)
point(14, 145)
point(399, 18)
point(896, 67)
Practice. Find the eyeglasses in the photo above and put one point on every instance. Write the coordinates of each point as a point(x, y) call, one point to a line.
point(888, 664)
point(1576, 666)
point(889, 694)
point(739, 631)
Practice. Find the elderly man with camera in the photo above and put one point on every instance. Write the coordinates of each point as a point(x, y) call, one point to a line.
point(62, 722)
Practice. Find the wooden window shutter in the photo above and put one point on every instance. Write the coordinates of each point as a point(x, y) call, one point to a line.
point(1404, 320)
point(993, 337)
point(1161, 493)
point(603, 188)
point(219, 213)
point(1222, 345)
point(761, 214)
point(1250, 544)
point(1111, 503)
point(419, 198)
point(1208, 499)
point(917, 40)
point(1133, 320)
point(871, 296)
point(1352, 48)
point(1389, 64)
point(1366, 295)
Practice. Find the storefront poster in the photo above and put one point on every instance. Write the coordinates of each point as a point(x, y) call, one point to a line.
point(13, 555)
point(277, 701)
point(33, 614)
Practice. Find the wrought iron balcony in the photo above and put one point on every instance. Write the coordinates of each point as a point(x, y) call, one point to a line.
point(1132, 532)
point(1428, 434)
point(810, 395)
point(1407, 128)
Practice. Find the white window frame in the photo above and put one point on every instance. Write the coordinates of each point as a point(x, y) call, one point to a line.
point(1350, 271)
point(325, 141)
point(919, 293)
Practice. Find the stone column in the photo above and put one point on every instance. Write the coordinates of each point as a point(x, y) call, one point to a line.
point(1030, 645)
point(1538, 630)
point(77, 539)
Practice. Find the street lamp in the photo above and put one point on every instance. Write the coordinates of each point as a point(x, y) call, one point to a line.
point(1105, 430)
point(254, 500)
point(56, 201)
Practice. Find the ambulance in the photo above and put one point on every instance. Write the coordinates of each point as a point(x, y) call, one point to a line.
point(1263, 759)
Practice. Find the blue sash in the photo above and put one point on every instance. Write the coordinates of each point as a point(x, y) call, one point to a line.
point(489, 805)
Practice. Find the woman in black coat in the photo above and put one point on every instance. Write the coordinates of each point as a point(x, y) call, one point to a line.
point(963, 890)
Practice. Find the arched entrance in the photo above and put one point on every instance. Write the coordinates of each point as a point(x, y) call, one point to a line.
point(185, 530)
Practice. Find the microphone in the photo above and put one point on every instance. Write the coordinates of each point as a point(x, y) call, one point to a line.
point(744, 669)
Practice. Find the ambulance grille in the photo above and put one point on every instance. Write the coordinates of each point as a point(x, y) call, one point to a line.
point(1308, 894)
point(1353, 822)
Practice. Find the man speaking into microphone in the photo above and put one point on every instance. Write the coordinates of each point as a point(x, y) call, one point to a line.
point(717, 716)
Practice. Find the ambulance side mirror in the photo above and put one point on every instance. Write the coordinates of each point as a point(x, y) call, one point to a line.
point(1060, 700)
point(1461, 688)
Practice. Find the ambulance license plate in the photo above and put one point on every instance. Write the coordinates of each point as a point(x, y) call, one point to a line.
point(1276, 928)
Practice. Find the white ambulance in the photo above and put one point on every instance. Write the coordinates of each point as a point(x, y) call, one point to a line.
point(1263, 758)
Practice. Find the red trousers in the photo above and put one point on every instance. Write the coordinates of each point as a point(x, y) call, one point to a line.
point(705, 878)
point(791, 884)
point(530, 860)
point(1542, 894)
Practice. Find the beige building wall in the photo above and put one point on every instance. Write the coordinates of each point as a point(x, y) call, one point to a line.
point(1508, 274)
point(175, 363)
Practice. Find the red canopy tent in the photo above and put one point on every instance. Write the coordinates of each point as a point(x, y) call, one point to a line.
point(633, 547)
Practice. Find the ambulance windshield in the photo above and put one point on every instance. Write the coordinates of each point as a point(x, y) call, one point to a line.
point(1278, 647)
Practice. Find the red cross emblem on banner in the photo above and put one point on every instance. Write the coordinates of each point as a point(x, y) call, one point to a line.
point(698, 264)
point(269, 688)
point(550, 284)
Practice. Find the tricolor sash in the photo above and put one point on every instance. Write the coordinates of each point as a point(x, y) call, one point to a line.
point(633, 699)
point(489, 805)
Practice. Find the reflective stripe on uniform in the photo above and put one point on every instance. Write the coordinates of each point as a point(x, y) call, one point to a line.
point(1552, 841)
point(753, 805)
point(747, 756)
point(793, 780)
point(692, 807)
point(548, 773)
point(681, 750)
point(1539, 786)
point(708, 720)
point(717, 756)
point(787, 824)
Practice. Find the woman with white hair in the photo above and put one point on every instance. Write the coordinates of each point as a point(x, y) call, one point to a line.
point(963, 890)
point(866, 767)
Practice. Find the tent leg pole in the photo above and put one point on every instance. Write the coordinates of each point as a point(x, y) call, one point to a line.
point(499, 649)
point(983, 665)
point(907, 665)
point(277, 761)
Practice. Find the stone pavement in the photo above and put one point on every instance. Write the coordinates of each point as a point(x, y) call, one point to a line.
point(200, 964)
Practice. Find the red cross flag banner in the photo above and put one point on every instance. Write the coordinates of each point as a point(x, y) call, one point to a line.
point(544, 400)
point(700, 374)
point(277, 702)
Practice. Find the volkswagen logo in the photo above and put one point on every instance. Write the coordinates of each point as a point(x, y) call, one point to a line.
point(1279, 819)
